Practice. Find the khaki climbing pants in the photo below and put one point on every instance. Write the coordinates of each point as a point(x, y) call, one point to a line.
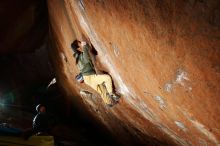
point(102, 84)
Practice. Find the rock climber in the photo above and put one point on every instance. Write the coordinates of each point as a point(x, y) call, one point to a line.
point(102, 83)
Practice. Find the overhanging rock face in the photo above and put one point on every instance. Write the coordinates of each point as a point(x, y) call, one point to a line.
point(164, 59)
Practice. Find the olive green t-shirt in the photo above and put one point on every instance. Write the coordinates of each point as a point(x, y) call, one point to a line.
point(85, 64)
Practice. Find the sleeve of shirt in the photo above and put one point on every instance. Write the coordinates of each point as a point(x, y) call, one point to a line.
point(86, 52)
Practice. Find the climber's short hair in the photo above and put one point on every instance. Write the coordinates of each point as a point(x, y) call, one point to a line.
point(74, 45)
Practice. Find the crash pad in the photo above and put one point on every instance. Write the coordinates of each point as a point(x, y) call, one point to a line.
point(32, 141)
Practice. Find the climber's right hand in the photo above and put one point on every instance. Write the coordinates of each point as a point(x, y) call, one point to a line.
point(83, 44)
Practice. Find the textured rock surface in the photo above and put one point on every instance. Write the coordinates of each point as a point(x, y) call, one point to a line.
point(164, 59)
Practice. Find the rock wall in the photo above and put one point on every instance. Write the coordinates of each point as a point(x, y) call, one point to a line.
point(164, 59)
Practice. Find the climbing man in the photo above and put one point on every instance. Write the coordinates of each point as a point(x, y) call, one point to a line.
point(102, 83)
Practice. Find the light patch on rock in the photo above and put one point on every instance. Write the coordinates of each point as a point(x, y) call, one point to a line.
point(180, 79)
point(168, 87)
point(144, 108)
point(123, 89)
point(83, 23)
point(160, 101)
point(200, 127)
point(145, 111)
point(181, 76)
point(181, 125)
point(205, 131)
point(143, 105)
point(178, 140)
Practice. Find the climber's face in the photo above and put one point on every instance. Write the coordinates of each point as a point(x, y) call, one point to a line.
point(80, 46)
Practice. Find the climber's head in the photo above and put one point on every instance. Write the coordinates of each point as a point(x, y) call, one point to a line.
point(40, 108)
point(75, 46)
